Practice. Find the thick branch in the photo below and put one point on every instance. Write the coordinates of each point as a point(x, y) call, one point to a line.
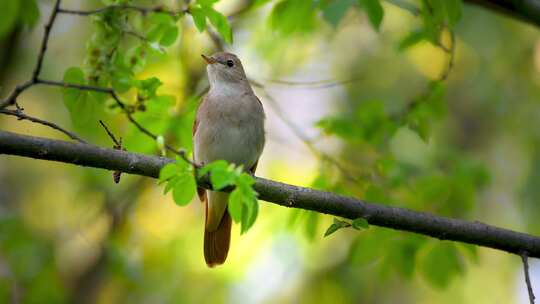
point(283, 194)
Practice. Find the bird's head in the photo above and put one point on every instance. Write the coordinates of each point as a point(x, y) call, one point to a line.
point(224, 68)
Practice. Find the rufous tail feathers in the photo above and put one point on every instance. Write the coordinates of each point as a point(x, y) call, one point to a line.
point(217, 240)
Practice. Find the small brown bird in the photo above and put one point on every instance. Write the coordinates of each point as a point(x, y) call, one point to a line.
point(229, 126)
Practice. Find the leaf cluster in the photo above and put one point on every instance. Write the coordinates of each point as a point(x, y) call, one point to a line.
point(243, 206)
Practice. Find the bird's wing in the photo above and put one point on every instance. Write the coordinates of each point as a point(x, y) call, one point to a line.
point(200, 191)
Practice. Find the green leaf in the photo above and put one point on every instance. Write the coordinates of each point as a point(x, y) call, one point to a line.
point(374, 11)
point(85, 108)
point(170, 184)
point(87, 111)
point(453, 10)
point(236, 205)
point(245, 181)
point(167, 172)
point(184, 189)
point(10, 13)
point(221, 174)
point(162, 28)
point(199, 18)
point(334, 11)
point(243, 206)
point(249, 215)
point(441, 264)
point(161, 18)
point(121, 84)
point(437, 11)
point(338, 224)
point(180, 179)
point(29, 13)
point(169, 36)
point(148, 87)
point(73, 76)
point(292, 16)
point(333, 228)
point(221, 178)
point(360, 223)
point(220, 22)
point(412, 39)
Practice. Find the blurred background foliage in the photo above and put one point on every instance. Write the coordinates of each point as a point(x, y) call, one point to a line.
point(430, 105)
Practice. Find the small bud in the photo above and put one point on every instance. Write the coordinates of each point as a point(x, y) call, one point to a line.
point(160, 141)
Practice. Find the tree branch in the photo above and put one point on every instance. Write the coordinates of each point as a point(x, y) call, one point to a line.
point(524, 260)
point(21, 116)
point(12, 98)
point(283, 194)
point(141, 9)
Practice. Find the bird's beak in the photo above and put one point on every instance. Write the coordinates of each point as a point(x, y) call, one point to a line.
point(208, 60)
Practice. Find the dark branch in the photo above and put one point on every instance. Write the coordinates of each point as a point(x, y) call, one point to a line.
point(45, 40)
point(21, 116)
point(524, 260)
point(12, 98)
point(113, 138)
point(283, 194)
point(141, 9)
point(125, 108)
point(317, 84)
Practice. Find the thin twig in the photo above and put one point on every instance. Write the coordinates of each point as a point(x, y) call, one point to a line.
point(74, 86)
point(12, 98)
point(524, 259)
point(117, 146)
point(141, 9)
point(451, 51)
point(21, 116)
point(125, 108)
point(45, 40)
point(317, 84)
point(116, 142)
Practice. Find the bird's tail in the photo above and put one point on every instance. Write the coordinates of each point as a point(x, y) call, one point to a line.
point(217, 230)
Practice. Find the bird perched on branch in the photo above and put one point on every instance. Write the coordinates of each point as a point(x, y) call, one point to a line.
point(229, 126)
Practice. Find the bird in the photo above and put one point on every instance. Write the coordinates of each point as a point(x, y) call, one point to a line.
point(229, 125)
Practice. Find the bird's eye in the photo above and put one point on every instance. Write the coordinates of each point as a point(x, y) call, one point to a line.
point(230, 63)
